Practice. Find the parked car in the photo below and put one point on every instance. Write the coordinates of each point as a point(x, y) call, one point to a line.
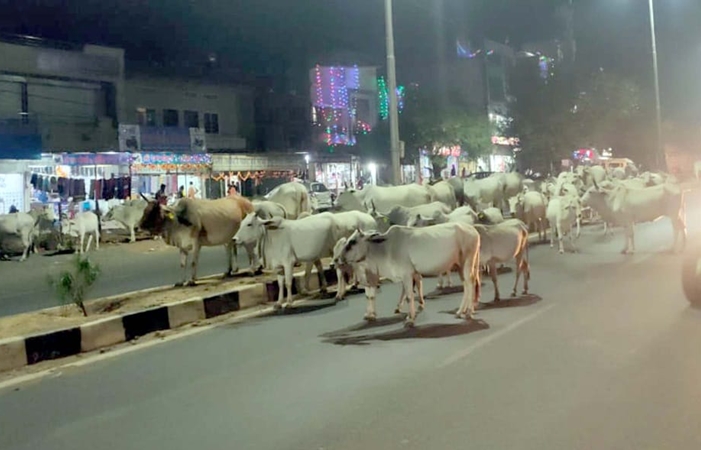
point(319, 196)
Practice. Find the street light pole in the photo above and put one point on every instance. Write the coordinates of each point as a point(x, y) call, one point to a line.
point(392, 87)
point(660, 147)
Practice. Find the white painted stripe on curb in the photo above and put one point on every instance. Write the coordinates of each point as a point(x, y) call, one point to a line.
point(56, 371)
point(492, 337)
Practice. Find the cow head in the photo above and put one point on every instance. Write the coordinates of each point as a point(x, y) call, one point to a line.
point(253, 228)
point(155, 217)
point(356, 247)
point(419, 221)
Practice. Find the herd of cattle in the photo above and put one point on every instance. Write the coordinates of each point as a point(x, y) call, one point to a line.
point(400, 233)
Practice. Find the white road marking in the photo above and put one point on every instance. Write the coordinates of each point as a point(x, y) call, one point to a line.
point(97, 357)
point(492, 337)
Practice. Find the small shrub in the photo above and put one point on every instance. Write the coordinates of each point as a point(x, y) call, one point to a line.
point(73, 284)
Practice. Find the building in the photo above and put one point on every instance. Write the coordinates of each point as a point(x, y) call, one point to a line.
point(55, 97)
point(282, 121)
point(173, 124)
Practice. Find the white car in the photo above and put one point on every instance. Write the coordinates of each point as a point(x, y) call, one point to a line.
point(319, 196)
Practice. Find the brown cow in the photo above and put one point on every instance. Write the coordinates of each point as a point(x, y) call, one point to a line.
point(193, 223)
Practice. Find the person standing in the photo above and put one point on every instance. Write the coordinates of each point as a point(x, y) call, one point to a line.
point(181, 192)
point(192, 191)
point(232, 190)
point(161, 197)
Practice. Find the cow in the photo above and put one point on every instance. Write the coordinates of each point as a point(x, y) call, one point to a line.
point(293, 196)
point(444, 192)
point(630, 206)
point(530, 208)
point(128, 215)
point(194, 223)
point(490, 216)
point(462, 214)
point(599, 204)
point(267, 209)
point(563, 212)
point(384, 198)
point(85, 223)
point(401, 215)
point(501, 243)
point(286, 242)
point(21, 228)
point(459, 189)
point(487, 191)
point(512, 184)
point(403, 254)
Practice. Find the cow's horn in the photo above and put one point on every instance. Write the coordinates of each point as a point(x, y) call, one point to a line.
point(595, 185)
point(372, 203)
point(143, 196)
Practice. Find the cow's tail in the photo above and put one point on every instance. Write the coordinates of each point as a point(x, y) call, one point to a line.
point(304, 203)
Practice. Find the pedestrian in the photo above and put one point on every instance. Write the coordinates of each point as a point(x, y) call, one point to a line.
point(232, 190)
point(181, 192)
point(13, 209)
point(161, 197)
point(192, 191)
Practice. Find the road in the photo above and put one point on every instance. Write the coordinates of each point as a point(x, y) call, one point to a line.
point(604, 355)
point(125, 267)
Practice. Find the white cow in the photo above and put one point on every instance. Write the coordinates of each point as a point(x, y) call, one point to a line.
point(84, 224)
point(697, 169)
point(384, 198)
point(403, 254)
point(502, 243)
point(22, 228)
point(487, 191)
point(630, 206)
point(444, 192)
point(287, 242)
point(462, 214)
point(401, 215)
point(293, 196)
point(267, 209)
point(490, 216)
point(564, 212)
point(128, 215)
point(530, 208)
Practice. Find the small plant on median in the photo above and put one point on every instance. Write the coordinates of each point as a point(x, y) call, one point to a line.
point(73, 284)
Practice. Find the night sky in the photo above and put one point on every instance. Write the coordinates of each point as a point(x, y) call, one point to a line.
point(283, 38)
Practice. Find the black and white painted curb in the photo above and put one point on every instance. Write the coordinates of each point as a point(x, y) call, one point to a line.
point(17, 352)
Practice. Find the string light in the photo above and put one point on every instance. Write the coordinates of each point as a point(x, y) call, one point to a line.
point(383, 98)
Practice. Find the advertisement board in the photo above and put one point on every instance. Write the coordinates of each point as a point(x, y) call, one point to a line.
point(11, 192)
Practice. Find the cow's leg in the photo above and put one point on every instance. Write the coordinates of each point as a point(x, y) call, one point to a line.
point(27, 244)
point(573, 242)
point(289, 278)
point(82, 242)
point(409, 287)
point(308, 276)
point(323, 285)
point(194, 262)
point(370, 313)
point(97, 239)
point(229, 250)
point(402, 298)
point(553, 234)
point(560, 238)
point(418, 279)
point(493, 275)
point(183, 268)
point(87, 247)
point(281, 288)
point(469, 275)
point(132, 234)
point(341, 292)
point(629, 237)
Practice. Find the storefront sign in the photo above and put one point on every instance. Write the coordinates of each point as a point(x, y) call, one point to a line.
point(170, 162)
point(226, 163)
point(506, 141)
point(96, 159)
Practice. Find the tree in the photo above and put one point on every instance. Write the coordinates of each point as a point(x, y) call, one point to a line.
point(72, 285)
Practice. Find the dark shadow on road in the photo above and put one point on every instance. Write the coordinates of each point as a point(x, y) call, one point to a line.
point(430, 331)
point(307, 306)
point(437, 293)
point(365, 325)
point(514, 302)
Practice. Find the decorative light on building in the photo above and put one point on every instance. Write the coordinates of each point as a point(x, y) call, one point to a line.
point(383, 98)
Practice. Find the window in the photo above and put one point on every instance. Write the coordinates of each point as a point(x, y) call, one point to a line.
point(191, 119)
point(211, 123)
point(150, 117)
point(146, 117)
point(170, 117)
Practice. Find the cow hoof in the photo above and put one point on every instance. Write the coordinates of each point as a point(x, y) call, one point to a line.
point(191, 283)
point(179, 285)
point(497, 299)
point(409, 323)
point(338, 298)
point(277, 307)
point(562, 252)
point(397, 311)
point(370, 317)
point(525, 292)
point(459, 316)
point(258, 271)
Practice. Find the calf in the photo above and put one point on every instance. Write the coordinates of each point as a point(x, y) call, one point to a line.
point(530, 209)
point(85, 223)
point(128, 215)
point(563, 213)
point(403, 254)
point(501, 243)
point(286, 242)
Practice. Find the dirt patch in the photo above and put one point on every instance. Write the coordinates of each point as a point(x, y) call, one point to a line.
point(69, 315)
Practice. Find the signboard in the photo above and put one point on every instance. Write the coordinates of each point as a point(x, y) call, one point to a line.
point(98, 159)
point(11, 192)
point(227, 163)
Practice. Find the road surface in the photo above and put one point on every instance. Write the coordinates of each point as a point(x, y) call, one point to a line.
point(603, 355)
point(125, 267)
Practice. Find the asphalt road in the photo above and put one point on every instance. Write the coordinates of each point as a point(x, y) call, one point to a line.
point(125, 267)
point(603, 355)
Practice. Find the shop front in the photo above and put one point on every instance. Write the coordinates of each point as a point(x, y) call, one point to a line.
point(14, 179)
point(177, 171)
point(336, 172)
point(253, 175)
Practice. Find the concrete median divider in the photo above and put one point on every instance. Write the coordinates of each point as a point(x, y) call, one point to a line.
point(19, 351)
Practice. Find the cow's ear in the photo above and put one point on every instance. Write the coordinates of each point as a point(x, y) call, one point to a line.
point(168, 212)
point(377, 238)
point(272, 224)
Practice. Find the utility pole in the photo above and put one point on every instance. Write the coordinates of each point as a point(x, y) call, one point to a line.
point(392, 87)
point(659, 157)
